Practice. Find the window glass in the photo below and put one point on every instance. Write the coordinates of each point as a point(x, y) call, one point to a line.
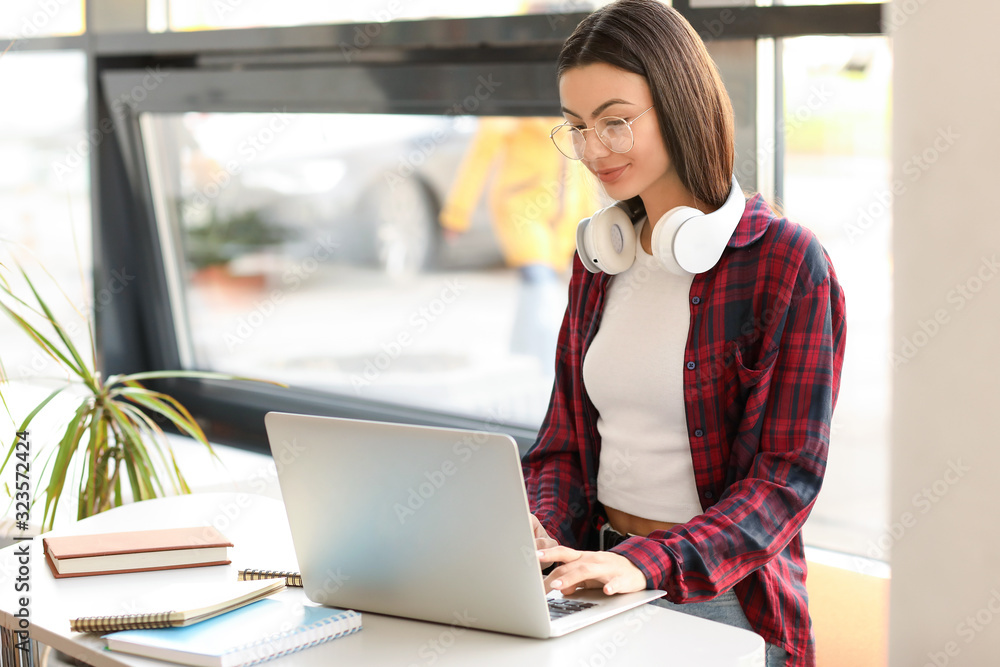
point(44, 198)
point(837, 183)
point(828, 2)
point(24, 19)
point(769, 3)
point(205, 15)
point(391, 257)
point(421, 260)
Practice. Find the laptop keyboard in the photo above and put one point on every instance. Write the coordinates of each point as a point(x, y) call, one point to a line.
point(562, 607)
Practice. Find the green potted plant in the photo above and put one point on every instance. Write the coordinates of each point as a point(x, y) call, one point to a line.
point(222, 237)
point(112, 433)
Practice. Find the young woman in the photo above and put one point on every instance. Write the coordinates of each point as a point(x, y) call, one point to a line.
point(687, 434)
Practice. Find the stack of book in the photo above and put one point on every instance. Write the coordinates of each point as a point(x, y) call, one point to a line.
point(260, 631)
point(179, 605)
point(222, 624)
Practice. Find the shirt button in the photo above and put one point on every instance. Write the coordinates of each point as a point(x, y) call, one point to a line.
point(696, 300)
point(708, 494)
point(690, 365)
point(698, 433)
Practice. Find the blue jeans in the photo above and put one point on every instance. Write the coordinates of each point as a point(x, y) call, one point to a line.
point(726, 609)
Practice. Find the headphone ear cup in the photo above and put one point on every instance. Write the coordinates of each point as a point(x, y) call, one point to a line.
point(606, 241)
point(699, 245)
point(664, 238)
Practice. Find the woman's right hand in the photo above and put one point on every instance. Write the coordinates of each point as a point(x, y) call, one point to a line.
point(542, 539)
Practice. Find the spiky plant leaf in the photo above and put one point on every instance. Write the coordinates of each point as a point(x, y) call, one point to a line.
point(112, 433)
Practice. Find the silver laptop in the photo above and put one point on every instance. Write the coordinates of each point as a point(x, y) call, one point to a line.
point(420, 522)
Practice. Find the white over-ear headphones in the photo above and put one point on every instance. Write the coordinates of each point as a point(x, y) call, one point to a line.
point(685, 240)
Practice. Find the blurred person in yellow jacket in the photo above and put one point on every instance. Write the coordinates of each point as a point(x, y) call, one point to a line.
point(536, 201)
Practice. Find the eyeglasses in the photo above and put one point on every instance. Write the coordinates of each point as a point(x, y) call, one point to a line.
point(614, 132)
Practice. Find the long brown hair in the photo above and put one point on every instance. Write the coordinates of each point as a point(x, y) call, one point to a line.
point(651, 39)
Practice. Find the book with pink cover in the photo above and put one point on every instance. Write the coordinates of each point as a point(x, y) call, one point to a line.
point(135, 551)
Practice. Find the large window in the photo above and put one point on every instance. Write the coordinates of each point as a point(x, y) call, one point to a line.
point(370, 14)
point(837, 183)
point(351, 224)
point(412, 259)
point(44, 198)
point(26, 19)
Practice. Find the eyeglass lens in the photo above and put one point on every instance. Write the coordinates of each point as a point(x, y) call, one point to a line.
point(613, 132)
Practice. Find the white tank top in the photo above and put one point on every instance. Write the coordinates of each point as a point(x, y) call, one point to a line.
point(634, 374)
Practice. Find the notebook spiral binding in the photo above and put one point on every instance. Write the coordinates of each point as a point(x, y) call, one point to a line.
point(257, 650)
point(291, 578)
point(121, 622)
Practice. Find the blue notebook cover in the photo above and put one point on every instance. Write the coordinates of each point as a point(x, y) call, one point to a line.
point(260, 631)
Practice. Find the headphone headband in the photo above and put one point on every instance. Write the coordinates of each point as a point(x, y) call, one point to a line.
point(698, 246)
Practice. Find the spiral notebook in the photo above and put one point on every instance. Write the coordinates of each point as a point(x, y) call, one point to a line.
point(177, 605)
point(293, 579)
point(260, 631)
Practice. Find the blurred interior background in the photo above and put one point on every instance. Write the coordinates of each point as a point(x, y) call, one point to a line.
point(377, 257)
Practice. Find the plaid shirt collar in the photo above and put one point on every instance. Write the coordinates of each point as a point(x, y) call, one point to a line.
point(752, 225)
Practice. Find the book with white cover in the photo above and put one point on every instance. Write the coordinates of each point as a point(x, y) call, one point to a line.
point(135, 551)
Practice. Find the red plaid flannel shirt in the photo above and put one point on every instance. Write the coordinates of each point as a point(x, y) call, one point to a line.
point(767, 340)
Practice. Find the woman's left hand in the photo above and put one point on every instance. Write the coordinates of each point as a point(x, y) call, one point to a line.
point(591, 569)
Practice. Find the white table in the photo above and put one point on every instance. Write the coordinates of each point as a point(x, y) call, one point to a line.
point(257, 525)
